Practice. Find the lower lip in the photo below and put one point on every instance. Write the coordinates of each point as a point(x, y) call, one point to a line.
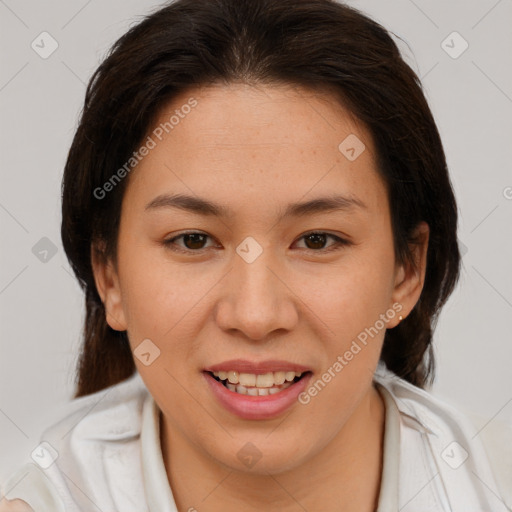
point(257, 407)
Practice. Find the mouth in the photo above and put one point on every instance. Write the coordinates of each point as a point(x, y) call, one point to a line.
point(257, 391)
point(251, 384)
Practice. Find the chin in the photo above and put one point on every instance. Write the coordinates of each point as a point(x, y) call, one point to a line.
point(259, 455)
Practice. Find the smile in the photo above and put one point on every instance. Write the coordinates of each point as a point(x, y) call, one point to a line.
point(257, 391)
point(257, 385)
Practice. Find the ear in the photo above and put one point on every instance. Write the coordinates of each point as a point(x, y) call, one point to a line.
point(107, 284)
point(409, 278)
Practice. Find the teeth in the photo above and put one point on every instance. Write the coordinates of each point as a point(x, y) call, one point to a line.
point(247, 379)
point(241, 389)
point(279, 377)
point(233, 377)
point(266, 380)
point(257, 385)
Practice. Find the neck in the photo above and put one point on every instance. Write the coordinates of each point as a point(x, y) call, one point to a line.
point(345, 475)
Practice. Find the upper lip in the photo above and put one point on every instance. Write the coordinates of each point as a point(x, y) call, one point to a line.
point(257, 368)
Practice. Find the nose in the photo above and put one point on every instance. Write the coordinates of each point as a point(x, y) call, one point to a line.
point(256, 299)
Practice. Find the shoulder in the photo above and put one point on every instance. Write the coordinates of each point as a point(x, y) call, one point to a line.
point(86, 441)
point(458, 457)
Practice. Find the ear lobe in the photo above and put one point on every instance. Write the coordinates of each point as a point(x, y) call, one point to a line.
point(409, 278)
point(107, 284)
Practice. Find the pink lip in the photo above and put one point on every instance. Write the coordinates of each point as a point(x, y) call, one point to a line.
point(256, 407)
point(257, 368)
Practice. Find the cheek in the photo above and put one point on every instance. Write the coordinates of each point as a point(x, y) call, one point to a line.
point(351, 303)
point(154, 295)
point(164, 301)
point(353, 293)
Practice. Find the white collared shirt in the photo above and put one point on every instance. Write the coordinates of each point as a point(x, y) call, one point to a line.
point(104, 453)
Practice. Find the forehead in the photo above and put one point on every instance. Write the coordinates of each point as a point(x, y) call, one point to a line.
point(259, 140)
point(245, 115)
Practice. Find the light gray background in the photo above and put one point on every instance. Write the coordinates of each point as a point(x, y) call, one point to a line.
point(41, 309)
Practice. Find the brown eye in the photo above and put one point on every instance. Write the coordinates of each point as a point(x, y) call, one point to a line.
point(317, 240)
point(195, 242)
point(192, 242)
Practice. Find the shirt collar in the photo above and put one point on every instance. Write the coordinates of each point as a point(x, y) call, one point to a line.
point(388, 496)
point(158, 491)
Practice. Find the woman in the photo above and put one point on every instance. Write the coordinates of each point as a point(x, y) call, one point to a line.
point(257, 205)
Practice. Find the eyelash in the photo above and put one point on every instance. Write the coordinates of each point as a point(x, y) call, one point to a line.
point(340, 242)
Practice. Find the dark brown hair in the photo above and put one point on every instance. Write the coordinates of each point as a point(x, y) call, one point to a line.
point(316, 44)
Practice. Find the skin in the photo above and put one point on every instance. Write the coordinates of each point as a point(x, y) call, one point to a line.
point(14, 506)
point(255, 149)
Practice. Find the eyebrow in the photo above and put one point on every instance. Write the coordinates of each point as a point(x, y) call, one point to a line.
point(204, 207)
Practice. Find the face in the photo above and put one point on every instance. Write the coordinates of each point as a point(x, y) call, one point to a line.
point(262, 300)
